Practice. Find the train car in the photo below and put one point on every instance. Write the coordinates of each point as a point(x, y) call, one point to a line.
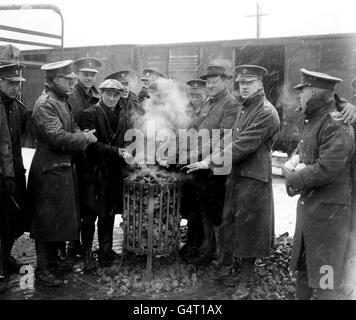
point(283, 57)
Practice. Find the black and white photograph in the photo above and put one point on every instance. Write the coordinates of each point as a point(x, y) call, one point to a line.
point(177, 150)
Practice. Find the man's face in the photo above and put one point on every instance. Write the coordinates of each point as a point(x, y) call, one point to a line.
point(215, 85)
point(146, 83)
point(125, 93)
point(197, 98)
point(110, 97)
point(10, 88)
point(87, 78)
point(248, 88)
point(65, 84)
point(304, 96)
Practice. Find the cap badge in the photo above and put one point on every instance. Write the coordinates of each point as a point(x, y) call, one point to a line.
point(244, 71)
point(90, 64)
point(17, 72)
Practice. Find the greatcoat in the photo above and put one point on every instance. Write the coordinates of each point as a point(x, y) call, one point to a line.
point(52, 191)
point(323, 211)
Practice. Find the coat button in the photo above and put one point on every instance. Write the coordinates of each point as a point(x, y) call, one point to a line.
point(301, 141)
point(237, 129)
point(306, 121)
point(302, 202)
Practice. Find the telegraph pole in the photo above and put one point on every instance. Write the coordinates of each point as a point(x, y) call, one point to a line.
point(258, 16)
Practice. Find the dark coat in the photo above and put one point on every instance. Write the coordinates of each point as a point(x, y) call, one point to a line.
point(16, 114)
point(102, 173)
point(248, 207)
point(6, 161)
point(323, 211)
point(221, 114)
point(79, 100)
point(52, 193)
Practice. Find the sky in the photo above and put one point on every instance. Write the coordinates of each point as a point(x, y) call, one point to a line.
point(106, 22)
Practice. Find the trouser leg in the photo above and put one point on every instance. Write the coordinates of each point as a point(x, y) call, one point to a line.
point(247, 269)
point(105, 233)
point(195, 230)
point(44, 254)
point(88, 230)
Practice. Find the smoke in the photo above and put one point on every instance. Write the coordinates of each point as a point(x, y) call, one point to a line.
point(286, 98)
point(165, 112)
point(166, 108)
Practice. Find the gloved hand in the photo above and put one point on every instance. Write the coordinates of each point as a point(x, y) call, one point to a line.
point(9, 186)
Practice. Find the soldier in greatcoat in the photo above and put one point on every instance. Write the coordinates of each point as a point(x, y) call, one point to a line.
point(53, 199)
point(321, 174)
point(13, 206)
point(247, 226)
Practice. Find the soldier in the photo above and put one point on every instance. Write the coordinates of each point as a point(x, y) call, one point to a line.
point(13, 205)
point(197, 111)
point(7, 183)
point(197, 108)
point(84, 95)
point(148, 76)
point(103, 174)
point(52, 194)
point(247, 225)
point(221, 114)
point(322, 177)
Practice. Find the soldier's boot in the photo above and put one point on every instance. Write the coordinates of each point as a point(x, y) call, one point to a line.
point(75, 250)
point(90, 264)
point(222, 272)
point(47, 278)
point(246, 283)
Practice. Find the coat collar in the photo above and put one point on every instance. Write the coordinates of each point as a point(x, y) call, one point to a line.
point(93, 91)
point(253, 99)
point(55, 90)
point(319, 105)
point(7, 101)
point(219, 96)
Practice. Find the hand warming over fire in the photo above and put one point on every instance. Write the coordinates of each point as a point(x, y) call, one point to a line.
point(124, 153)
point(200, 165)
